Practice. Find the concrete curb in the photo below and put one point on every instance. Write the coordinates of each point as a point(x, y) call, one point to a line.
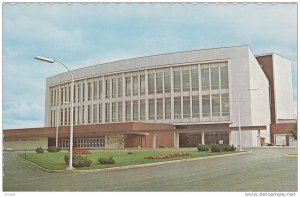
point(133, 166)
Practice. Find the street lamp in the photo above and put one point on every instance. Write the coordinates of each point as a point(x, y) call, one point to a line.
point(240, 130)
point(48, 60)
point(57, 112)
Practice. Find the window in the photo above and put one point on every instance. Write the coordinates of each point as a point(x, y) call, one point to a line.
point(205, 106)
point(128, 86)
point(120, 87)
point(151, 83)
point(107, 88)
point(195, 79)
point(186, 107)
point(61, 117)
point(78, 114)
point(61, 95)
point(167, 108)
point(214, 78)
point(142, 84)
point(83, 92)
point(89, 113)
point(167, 80)
point(177, 81)
point(135, 110)
point(89, 91)
point(225, 104)
point(120, 110)
point(205, 78)
point(151, 109)
point(100, 90)
point(69, 93)
point(114, 87)
point(135, 85)
point(159, 108)
point(74, 115)
point(195, 106)
point(95, 113)
point(128, 110)
point(186, 80)
point(79, 92)
point(215, 104)
point(95, 90)
point(177, 107)
point(224, 77)
point(51, 98)
point(159, 83)
point(82, 114)
point(114, 111)
point(65, 92)
point(100, 113)
point(66, 116)
point(142, 109)
point(107, 112)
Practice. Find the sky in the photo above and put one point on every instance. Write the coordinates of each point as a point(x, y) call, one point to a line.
point(82, 35)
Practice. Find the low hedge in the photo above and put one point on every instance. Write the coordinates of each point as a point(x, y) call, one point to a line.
point(227, 147)
point(53, 149)
point(108, 160)
point(203, 147)
point(78, 161)
point(39, 150)
point(215, 148)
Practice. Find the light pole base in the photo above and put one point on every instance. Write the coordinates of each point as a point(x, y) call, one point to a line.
point(70, 168)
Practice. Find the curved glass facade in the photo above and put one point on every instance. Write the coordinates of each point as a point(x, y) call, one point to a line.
point(173, 94)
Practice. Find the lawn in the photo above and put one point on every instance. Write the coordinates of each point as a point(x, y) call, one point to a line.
point(55, 161)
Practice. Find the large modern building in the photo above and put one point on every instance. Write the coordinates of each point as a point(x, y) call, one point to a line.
point(169, 100)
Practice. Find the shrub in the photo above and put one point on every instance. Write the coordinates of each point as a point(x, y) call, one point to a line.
point(215, 148)
point(53, 149)
point(39, 150)
point(161, 146)
point(109, 160)
point(78, 161)
point(203, 147)
point(130, 153)
point(227, 147)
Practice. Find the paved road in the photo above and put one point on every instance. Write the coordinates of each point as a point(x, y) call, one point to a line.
point(261, 170)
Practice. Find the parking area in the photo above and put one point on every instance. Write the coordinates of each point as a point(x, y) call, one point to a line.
point(265, 169)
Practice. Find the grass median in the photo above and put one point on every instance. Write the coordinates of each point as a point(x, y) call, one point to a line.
point(55, 161)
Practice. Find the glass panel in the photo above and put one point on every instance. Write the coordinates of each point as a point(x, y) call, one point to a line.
point(135, 85)
point(195, 80)
point(151, 109)
point(225, 105)
point(224, 77)
point(167, 79)
point(78, 114)
point(82, 114)
point(215, 104)
point(107, 112)
point(83, 92)
point(89, 113)
point(61, 94)
point(114, 111)
point(195, 106)
point(167, 108)
point(177, 107)
point(120, 110)
point(135, 110)
point(95, 90)
point(100, 113)
point(120, 87)
point(205, 78)
point(114, 87)
point(142, 110)
point(79, 92)
point(159, 83)
point(95, 113)
point(214, 78)
point(205, 106)
point(128, 110)
point(100, 90)
point(107, 88)
point(89, 91)
point(177, 81)
point(159, 108)
point(74, 114)
point(151, 83)
point(186, 107)
point(128, 86)
point(66, 116)
point(142, 84)
point(186, 80)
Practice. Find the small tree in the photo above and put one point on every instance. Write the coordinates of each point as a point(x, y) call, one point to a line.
point(293, 130)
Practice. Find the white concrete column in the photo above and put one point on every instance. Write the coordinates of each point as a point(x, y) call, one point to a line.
point(203, 137)
point(258, 138)
point(229, 136)
point(176, 140)
point(154, 140)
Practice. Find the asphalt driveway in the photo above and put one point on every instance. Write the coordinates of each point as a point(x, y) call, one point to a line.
point(267, 169)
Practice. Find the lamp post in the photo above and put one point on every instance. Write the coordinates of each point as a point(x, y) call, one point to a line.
point(240, 130)
point(57, 112)
point(48, 60)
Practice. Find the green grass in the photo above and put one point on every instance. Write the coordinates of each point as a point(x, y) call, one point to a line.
point(55, 161)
